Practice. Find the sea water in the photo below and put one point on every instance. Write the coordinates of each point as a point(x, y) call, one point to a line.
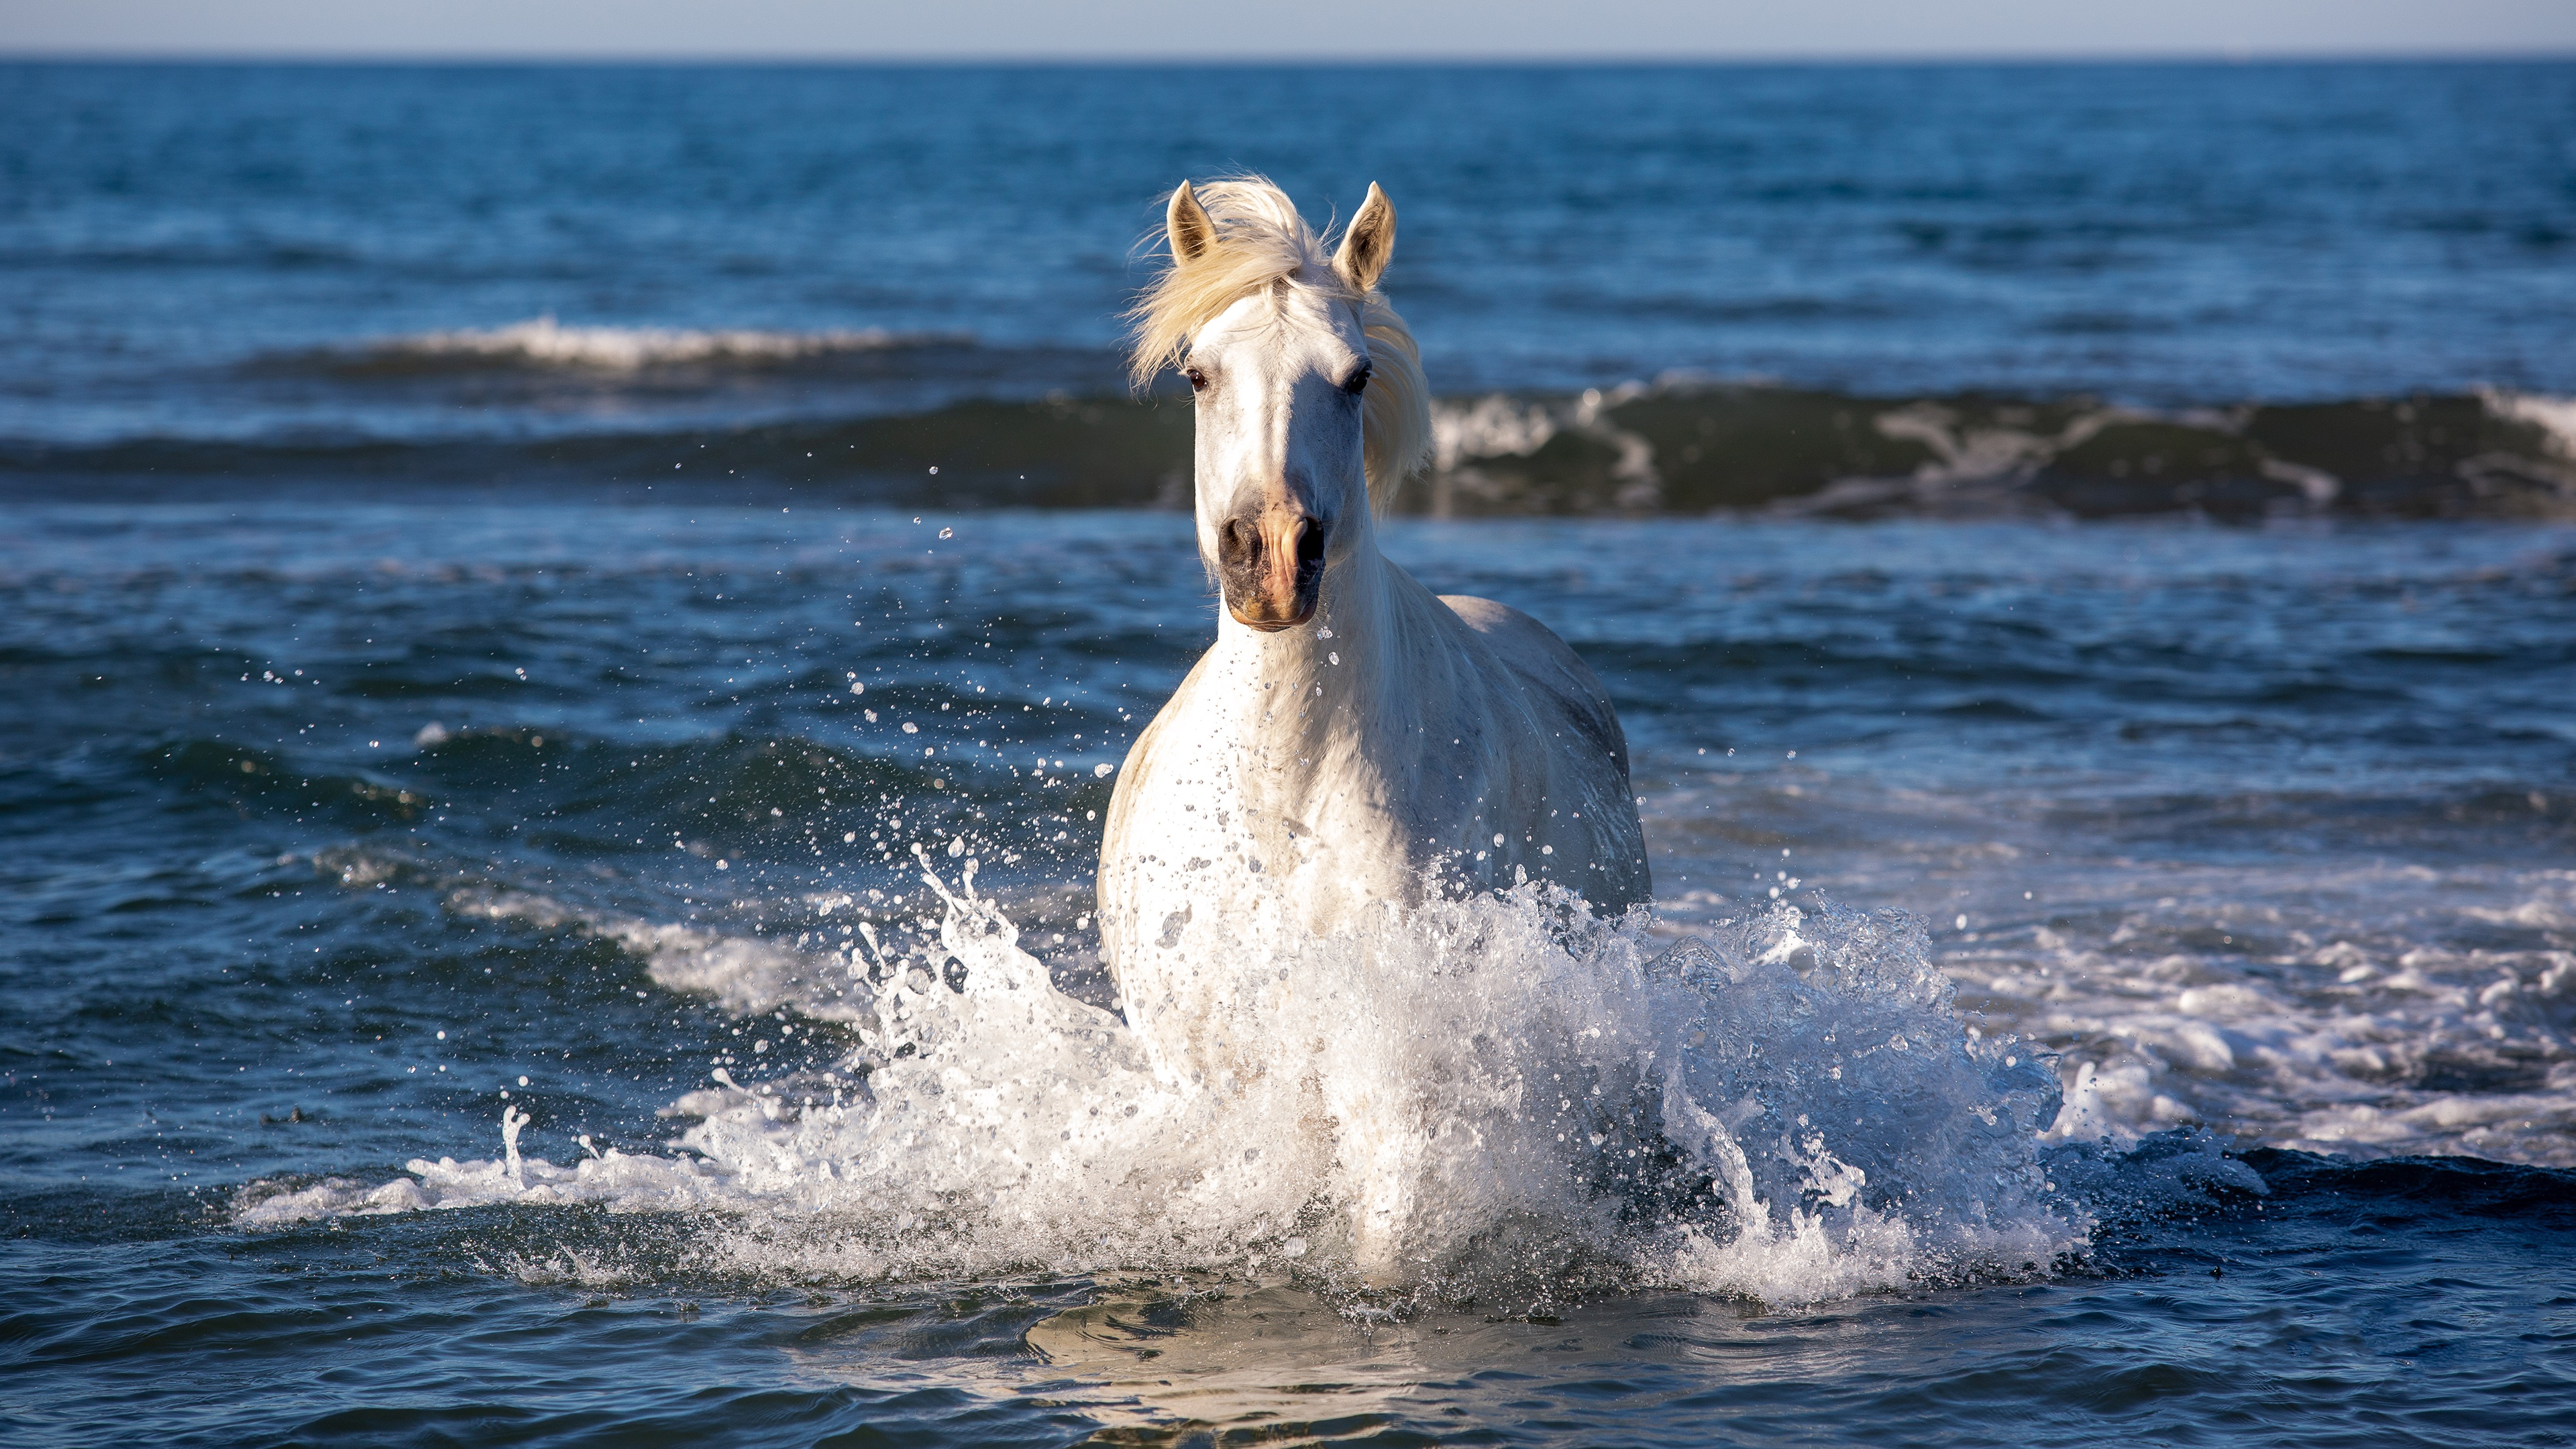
point(534, 1015)
point(534, 914)
point(2236, 290)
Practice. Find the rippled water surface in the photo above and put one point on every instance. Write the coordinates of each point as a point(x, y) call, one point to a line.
point(334, 831)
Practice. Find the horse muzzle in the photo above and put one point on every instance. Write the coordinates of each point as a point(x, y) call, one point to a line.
point(1271, 566)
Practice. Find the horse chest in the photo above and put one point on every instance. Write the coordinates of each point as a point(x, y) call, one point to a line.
point(1318, 809)
point(1239, 799)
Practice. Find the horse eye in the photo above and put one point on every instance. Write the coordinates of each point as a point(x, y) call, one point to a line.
point(1198, 379)
point(1358, 382)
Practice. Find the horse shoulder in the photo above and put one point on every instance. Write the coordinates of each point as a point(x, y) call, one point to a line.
point(1531, 650)
point(1136, 773)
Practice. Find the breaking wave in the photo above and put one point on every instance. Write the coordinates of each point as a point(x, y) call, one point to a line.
point(1679, 446)
point(542, 342)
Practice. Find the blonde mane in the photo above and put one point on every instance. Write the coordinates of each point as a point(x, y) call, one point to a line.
point(1263, 245)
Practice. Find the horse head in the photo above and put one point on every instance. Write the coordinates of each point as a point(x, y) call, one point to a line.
point(1308, 388)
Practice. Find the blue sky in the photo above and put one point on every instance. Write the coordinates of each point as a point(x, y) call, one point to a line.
point(1345, 29)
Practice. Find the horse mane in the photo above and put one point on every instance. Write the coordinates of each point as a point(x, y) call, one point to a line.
point(1263, 245)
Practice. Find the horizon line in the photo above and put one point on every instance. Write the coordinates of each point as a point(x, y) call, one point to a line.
point(1557, 60)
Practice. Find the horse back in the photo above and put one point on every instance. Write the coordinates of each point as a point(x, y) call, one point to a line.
point(1532, 651)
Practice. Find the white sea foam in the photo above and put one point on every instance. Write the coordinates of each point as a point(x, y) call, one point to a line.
point(2555, 416)
point(1495, 426)
point(1499, 426)
point(1790, 1110)
point(744, 974)
point(2345, 1031)
point(542, 341)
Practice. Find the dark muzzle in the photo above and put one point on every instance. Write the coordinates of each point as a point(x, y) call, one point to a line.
point(1270, 566)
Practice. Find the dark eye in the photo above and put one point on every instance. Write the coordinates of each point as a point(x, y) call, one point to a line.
point(1359, 381)
point(1198, 379)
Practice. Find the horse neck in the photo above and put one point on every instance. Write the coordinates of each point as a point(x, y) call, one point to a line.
point(1364, 677)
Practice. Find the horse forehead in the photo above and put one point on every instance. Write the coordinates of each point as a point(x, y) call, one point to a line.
point(1294, 327)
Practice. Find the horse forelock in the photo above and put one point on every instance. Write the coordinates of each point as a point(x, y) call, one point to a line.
point(1262, 244)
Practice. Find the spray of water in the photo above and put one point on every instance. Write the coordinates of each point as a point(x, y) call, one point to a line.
point(1473, 1099)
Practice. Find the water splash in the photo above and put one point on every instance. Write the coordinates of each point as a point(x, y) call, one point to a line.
point(1501, 1097)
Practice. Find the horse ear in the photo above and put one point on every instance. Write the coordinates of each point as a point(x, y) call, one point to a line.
point(1188, 225)
point(1369, 244)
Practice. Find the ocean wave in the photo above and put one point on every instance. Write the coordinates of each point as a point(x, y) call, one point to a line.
point(1676, 446)
point(1687, 446)
point(2555, 416)
point(542, 342)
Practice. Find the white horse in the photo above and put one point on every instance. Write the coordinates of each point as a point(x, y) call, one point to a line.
point(1351, 742)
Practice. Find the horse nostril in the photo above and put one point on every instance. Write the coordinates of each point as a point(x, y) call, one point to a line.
point(1310, 544)
point(1238, 543)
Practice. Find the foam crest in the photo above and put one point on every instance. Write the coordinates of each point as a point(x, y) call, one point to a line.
point(2554, 416)
point(1470, 1098)
point(544, 342)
